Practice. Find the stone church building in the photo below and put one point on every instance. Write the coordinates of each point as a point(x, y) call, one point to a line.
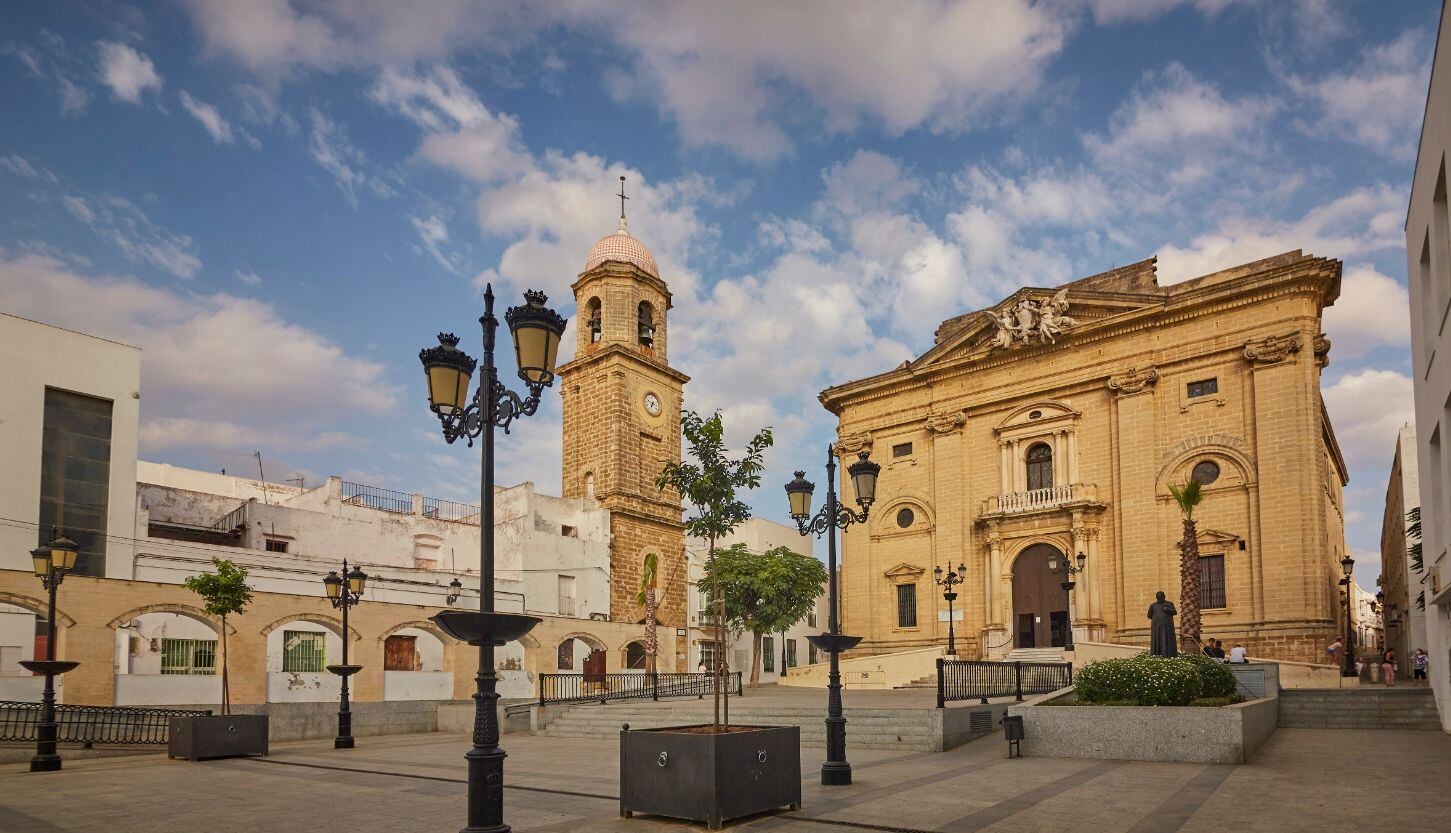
point(1053, 423)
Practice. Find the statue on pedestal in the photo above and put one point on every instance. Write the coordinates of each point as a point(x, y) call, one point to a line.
point(1162, 638)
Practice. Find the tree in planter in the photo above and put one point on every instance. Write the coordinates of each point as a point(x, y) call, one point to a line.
point(224, 593)
point(764, 592)
point(709, 484)
point(1188, 496)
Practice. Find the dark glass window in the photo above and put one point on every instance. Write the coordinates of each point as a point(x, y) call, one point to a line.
point(905, 518)
point(1203, 387)
point(791, 654)
point(274, 545)
point(75, 474)
point(634, 656)
point(768, 654)
point(902, 450)
point(906, 605)
point(566, 655)
point(1211, 581)
point(1040, 467)
point(707, 655)
point(1205, 472)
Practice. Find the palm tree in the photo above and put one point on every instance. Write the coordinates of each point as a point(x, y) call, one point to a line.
point(647, 599)
point(1188, 496)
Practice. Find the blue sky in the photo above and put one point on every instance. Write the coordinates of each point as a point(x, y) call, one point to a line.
point(282, 200)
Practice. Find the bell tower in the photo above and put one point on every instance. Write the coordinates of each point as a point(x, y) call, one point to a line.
point(621, 419)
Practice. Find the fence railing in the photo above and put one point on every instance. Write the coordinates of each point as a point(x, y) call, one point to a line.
point(978, 680)
point(448, 510)
point(19, 722)
point(602, 688)
point(385, 500)
point(232, 521)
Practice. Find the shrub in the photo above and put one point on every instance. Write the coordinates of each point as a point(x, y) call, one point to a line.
point(1215, 678)
point(1145, 680)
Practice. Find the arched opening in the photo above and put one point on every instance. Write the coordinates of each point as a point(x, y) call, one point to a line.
point(1040, 466)
point(1040, 604)
point(580, 653)
point(646, 325)
point(22, 638)
point(635, 656)
point(589, 484)
point(165, 658)
point(592, 315)
point(298, 653)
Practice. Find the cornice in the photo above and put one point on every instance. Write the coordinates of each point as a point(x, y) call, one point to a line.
point(600, 354)
point(619, 269)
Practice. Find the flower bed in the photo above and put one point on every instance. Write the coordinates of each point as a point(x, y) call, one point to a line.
point(1155, 681)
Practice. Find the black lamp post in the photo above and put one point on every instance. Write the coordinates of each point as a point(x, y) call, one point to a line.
point(1067, 571)
point(863, 473)
point(51, 563)
point(536, 330)
point(947, 582)
point(784, 664)
point(1347, 565)
point(345, 591)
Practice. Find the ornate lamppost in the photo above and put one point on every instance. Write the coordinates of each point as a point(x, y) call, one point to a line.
point(947, 582)
point(344, 591)
point(51, 563)
point(1347, 566)
point(1067, 571)
point(863, 473)
point(536, 330)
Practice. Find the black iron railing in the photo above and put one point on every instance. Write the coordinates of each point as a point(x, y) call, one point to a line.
point(232, 521)
point(373, 497)
point(602, 688)
point(91, 724)
point(976, 680)
point(448, 510)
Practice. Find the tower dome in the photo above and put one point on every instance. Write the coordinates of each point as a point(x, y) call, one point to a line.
point(625, 248)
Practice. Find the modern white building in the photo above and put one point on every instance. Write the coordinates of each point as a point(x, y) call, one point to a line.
point(779, 650)
point(1403, 577)
point(1428, 267)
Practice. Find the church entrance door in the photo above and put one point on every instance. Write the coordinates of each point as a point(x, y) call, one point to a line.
point(1039, 603)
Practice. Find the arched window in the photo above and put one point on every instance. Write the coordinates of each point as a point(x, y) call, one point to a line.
point(595, 327)
point(647, 325)
point(566, 655)
point(1040, 467)
point(634, 655)
point(589, 484)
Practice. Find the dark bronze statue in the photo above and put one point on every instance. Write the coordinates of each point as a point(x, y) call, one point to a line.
point(1163, 642)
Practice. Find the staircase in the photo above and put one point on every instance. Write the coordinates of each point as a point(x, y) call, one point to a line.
point(866, 728)
point(1035, 655)
point(924, 681)
point(1358, 708)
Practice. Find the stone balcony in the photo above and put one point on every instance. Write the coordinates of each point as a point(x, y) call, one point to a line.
point(1037, 500)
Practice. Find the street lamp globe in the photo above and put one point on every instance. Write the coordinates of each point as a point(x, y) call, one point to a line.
point(798, 492)
point(1348, 565)
point(961, 572)
point(449, 370)
point(937, 574)
point(334, 584)
point(864, 479)
point(58, 556)
point(356, 581)
point(536, 330)
point(40, 561)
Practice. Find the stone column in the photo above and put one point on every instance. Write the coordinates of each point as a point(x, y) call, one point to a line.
point(1096, 627)
point(948, 479)
point(1072, 457)
point(1134, 507)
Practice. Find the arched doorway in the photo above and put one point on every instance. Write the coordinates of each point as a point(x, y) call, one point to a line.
point(635, 656)
point(1040, 606)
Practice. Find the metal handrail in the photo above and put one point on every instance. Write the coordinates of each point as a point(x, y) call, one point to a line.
point(602, 688)
point(384, 500)
point(978, 680)
point(231, 521)
point(19, 722)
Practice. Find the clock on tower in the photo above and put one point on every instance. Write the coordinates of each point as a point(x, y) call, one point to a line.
point(622, 422)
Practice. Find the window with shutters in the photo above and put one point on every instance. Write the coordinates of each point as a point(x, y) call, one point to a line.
point(791, 653)
point(303, 651)
point(1040, 467)
point(906, 605)
point(1211, 581)
point(768, 654)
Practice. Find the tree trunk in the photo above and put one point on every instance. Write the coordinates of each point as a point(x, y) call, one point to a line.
point(1189, 620)
point(755, 660)
point(226, 693)
point(715, 669)
point(651, 638)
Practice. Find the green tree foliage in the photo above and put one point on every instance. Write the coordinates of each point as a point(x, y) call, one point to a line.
point(1188, 496)
point(764, 592)
point(224, 593)
point(709, 484)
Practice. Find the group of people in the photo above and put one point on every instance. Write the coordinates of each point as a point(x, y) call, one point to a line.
point(1420, 663)
point(1214, 649)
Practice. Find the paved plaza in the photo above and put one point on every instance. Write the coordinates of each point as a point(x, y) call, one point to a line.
point(1301, 780)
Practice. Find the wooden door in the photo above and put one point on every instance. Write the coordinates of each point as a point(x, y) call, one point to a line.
point(400, 653)
point(594, 667)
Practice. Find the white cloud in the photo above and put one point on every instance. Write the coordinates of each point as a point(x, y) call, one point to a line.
point(330, 148)
point(1373, 310)
point(1109, 12)
point(127, 72)
point(49, 60)
point(1379, 103)
point(210, 363)
point(1367, 409)
point(248, 277)
point(433, 236)
point(124, 225)
point(210, 118)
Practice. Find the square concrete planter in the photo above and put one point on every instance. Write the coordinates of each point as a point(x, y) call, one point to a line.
point(710, 778)
point(217, 736)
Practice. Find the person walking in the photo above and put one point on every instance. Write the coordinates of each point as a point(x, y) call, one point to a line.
point(1334, 650)
point(1388, 667)
point(1420, 666)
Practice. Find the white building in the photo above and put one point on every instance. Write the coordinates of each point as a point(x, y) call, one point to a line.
point(1428, 267)
point(1403, 579)
point(777, 650)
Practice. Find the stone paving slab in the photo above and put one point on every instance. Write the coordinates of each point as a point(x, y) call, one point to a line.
point(416, 783)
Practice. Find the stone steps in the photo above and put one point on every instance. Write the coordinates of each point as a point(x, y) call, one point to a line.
point(1358, 709)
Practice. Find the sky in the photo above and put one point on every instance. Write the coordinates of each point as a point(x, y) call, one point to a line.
point(281, 201)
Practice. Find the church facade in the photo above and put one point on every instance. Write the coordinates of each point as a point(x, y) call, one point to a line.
point(1053, 424)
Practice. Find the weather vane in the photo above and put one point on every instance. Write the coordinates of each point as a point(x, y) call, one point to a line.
point(622, 198)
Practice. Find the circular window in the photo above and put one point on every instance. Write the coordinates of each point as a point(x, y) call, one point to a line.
point(1035, 415)
point(1205, 472)
point(905, 518)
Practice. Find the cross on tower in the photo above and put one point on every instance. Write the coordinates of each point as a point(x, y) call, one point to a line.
point(622, 198)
